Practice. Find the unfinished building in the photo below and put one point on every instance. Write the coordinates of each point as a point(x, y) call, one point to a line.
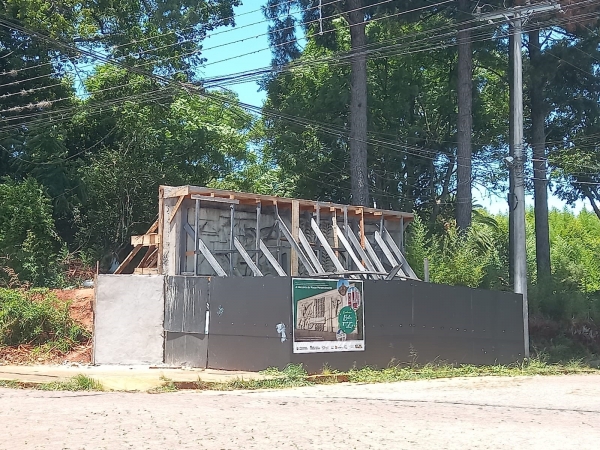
point(218, 267)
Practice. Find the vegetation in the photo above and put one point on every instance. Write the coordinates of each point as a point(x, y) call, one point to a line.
point(36, 317)
point(294, 375)
point(77, 383)
point(101, 105)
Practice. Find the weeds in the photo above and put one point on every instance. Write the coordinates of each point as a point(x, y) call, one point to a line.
point(77, 383)
point(167, 386)
point(432, 371)
point(37, 317)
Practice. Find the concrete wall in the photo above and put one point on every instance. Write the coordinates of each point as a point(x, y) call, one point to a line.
point(128, 319)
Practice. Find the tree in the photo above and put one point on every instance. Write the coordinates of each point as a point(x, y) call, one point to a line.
point(538, 111)
point(411, 115)
point(356, 13)
point(174, 139)
point(28, 237)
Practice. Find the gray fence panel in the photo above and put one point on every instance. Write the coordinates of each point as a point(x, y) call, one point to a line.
point(185, 304)
point(186, 349)
point(405, 321)
point(244, 314)
point(186, 300)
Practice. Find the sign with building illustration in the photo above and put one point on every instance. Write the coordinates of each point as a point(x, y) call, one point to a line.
point(328, 315)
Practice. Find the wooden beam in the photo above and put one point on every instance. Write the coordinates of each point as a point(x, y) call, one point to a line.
point(295, 235)
point(362, 227)
point(176, 208)
point(145, 271)
point(135, 251)
point(161, 225)
point(145, 239)
point(149, 258)
point(128, 259)
point(207, 198)
point(286, 202)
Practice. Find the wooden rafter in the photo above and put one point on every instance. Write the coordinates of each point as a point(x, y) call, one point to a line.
point(136, 250)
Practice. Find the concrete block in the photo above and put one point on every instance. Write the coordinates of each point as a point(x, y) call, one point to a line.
point(128, 319)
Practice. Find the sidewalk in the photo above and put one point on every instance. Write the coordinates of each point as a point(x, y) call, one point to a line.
point(121, 378)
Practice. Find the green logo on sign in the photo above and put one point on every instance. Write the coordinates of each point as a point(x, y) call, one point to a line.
point(347, 320)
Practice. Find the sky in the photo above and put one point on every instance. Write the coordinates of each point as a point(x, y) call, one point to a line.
point(250, 35)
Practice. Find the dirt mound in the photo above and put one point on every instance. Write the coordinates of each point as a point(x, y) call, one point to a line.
point(80, 309)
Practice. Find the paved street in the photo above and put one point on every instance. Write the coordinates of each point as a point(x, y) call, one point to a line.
point(511, 413)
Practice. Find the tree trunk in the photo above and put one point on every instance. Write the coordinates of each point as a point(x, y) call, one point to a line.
point(358, 106)
point(590, 196)
point(538, 142)
point(511, 152)
point(465, 124)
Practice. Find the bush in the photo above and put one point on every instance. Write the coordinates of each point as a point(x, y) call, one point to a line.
point(37, 317)
point(29, 243)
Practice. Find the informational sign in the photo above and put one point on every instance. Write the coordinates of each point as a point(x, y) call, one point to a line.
point(328, 315)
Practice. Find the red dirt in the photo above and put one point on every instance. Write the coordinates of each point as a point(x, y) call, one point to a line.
point(81, 305)
point(80, 310)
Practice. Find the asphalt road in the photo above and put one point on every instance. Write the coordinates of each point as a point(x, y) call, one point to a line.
point(468, 413)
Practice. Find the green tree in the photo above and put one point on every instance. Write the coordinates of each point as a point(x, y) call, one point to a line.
point(28, 240)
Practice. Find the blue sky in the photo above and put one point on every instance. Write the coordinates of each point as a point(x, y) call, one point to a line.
point(252, 28)
point(255, 39)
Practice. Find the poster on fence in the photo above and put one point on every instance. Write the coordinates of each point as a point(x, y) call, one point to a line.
point(328, 315)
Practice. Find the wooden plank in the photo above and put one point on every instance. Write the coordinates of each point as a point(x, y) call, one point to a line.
point(288, 202)
point(362, 227)
point(134, 252)
point(145, 271)
point(161, 224)
point(151, 250)
point(145, 239)
point(176, 208)
point(208, 198)
point(210, 258)
point(153, 228)
point(361, 251)
point(348, 248)
point(295, 236)
point(294, 245)
point(128, 259)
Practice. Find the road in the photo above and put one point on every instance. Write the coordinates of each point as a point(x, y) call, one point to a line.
point(462, 413)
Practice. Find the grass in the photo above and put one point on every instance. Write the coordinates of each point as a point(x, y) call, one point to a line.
point(294, 375)
point(77, 383)
point(433, 371)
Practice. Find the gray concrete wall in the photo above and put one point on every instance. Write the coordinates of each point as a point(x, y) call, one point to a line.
point(128, 319)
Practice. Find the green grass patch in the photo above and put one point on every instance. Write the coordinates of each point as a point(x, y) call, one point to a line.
point(167, 386)
point(296, 376)
point(38, 318)
point(433, 371)
point(77, 383)
point(11, 384)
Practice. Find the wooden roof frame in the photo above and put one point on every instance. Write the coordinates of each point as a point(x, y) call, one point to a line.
point(182, 192)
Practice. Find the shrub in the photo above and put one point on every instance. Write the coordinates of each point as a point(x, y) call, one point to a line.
point(28, 240)
point(38, 318)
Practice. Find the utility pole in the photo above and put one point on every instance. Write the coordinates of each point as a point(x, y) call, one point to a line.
point(515, 17)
